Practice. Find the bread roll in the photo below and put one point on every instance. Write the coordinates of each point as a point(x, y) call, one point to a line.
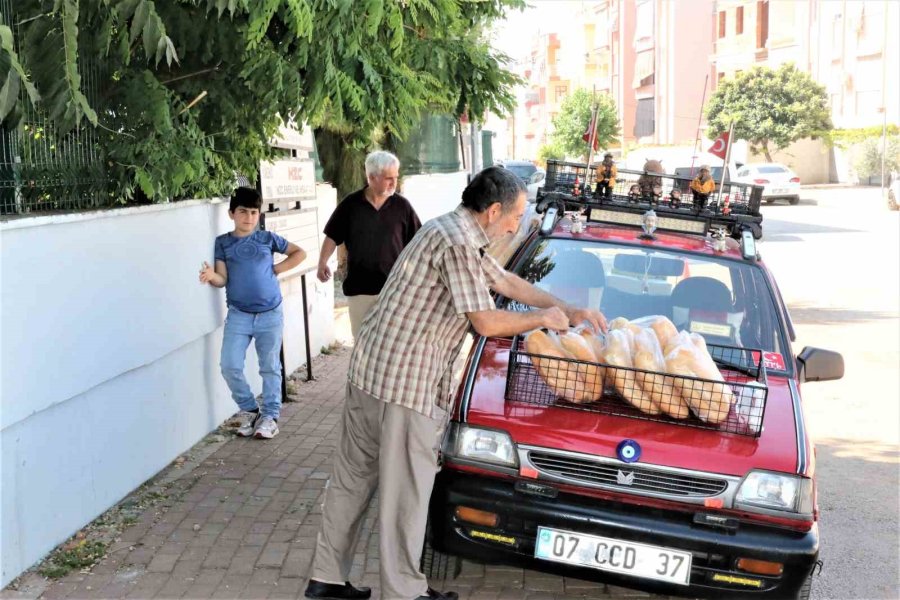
point(596, 342)
point(623, 323)
point(618, 354)
point(664, 329)
point(709, 400)
point(660, 388)
point(560, 375)
point(579, 348)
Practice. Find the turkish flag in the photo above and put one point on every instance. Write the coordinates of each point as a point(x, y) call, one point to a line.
point(720, 145)
point(592, 126)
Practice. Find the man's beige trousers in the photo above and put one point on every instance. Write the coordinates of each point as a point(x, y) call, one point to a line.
point(358, 307)
point(394, 450)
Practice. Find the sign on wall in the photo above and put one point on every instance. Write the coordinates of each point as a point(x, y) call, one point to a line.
point(289, 197)
point(289, 179)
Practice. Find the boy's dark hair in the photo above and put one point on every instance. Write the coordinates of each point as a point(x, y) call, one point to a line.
point(494, 184)
point(246, 197)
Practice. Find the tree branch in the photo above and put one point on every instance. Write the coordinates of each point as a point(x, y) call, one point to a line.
point(189, 75)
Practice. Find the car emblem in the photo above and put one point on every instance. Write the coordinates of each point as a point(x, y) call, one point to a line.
point(623, 478)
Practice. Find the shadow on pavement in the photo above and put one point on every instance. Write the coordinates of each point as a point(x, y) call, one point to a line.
point(859, 497)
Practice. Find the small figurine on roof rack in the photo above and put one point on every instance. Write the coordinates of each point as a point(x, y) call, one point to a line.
point(606, 177)
point(719, 236)
point(649, 221)
point(634, 193)
point(675, 198)
point(651, 184)
point(702, 186)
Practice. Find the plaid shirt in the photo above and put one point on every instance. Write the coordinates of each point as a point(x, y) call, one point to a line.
point(410, 338)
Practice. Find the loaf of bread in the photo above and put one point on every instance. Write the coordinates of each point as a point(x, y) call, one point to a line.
point(618, 353)
point(709, 400)
point(578, 347)
point(664, 329)
point(623, 323)
point(562, 376)
point(659, 387)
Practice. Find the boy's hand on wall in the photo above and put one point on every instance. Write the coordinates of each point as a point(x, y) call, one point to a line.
point(206, 273)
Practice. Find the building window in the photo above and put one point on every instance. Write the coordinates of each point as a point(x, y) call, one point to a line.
point(561, 92)
point(645, 120)
point(739, 21)
point(722, 22)
point(721, 76)
point(762, 24)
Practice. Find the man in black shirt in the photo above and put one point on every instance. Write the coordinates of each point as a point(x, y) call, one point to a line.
point(375, 223)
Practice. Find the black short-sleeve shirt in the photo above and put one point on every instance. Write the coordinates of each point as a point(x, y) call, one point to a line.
point(374, 238)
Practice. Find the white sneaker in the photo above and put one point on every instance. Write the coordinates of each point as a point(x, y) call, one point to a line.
point(247, 423)
point(266, 429)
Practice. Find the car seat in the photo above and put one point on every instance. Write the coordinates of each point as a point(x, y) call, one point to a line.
point(580, 282)
point(704, 305)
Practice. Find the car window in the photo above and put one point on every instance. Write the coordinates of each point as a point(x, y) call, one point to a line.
point(772, 169)
point(726, 301)
point(522, 171)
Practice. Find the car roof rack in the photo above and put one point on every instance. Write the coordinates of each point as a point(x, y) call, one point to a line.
point(572, 186)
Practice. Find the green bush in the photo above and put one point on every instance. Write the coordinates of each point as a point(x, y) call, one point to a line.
point(867, 157)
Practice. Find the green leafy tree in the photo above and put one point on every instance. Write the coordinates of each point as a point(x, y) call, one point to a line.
point(574, 118)
point(770, 107)
point(549, 151)
point(190, 91)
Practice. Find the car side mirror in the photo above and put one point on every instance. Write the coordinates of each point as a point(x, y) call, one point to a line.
point(817, 364)
point(537, 177)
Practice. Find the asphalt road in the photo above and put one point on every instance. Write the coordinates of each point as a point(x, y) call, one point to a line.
point(836, 257)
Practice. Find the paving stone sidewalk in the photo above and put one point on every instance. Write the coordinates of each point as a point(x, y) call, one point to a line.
point(242, 522)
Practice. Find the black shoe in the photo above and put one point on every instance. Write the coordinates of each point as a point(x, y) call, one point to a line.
point(333, 591)
point(436, 595)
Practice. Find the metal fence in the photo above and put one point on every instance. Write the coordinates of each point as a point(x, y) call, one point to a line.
point(41, 170)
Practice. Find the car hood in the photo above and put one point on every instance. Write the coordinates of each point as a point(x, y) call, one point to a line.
point(777, 448)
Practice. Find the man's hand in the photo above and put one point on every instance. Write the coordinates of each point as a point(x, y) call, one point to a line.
point(577, 316)
point(207, 273)
point(554, 318)
point(324, 273)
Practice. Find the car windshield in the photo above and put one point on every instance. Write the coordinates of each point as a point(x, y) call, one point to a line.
point(522, 171)
point(726, 301)
point(772, 169)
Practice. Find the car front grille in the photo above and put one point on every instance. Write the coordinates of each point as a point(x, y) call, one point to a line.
point(626, 477)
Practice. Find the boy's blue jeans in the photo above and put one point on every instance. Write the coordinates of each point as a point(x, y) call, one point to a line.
point(266, 330)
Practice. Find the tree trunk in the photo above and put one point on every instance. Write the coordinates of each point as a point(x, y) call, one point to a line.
point(765, 149)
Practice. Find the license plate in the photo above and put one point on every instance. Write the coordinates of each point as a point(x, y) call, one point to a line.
point(617, 556)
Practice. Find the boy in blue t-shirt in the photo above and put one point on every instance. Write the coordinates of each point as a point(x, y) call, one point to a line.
point(245, 269)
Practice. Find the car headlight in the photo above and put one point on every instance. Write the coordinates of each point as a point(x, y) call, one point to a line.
point(486, 445)
point(776, 491)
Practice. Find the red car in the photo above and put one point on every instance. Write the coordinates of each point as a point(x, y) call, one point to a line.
point(603, 491)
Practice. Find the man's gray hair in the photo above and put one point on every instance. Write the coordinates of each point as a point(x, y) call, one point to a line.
point(494, 184)
point(379, 161)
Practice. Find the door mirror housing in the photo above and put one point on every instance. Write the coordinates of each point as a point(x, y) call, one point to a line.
point(817, 364)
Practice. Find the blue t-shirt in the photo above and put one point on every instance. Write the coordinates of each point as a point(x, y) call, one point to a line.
point(252, 285)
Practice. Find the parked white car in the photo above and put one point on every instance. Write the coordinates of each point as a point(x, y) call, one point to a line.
point(778, 181)
point(535, 182)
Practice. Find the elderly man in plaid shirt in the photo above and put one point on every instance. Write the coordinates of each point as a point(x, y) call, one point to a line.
point(399, 384)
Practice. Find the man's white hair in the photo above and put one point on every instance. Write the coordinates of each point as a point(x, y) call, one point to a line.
point(379, 161)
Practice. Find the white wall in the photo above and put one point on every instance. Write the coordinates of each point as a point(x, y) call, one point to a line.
point(110, 353)
point(434, 195)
